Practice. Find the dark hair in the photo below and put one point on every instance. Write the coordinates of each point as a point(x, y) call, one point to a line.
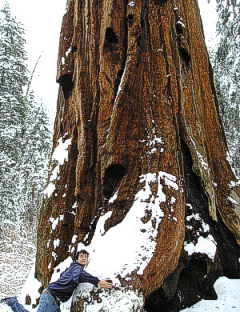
point(83, 251)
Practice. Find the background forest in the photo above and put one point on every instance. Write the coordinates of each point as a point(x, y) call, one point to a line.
point(25, 138)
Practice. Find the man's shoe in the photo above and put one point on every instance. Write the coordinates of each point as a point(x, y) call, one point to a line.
point(6, 300)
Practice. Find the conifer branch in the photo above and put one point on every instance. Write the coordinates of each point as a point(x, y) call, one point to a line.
point(31, 77)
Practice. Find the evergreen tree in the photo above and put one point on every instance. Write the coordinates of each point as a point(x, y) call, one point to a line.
point(226, 65)
point(34, 166)
point(24, 135)
point(13, 79)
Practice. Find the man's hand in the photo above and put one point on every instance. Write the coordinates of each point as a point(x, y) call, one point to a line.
point(105, 284)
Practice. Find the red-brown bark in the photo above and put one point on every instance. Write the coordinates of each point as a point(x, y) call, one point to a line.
point(135, 82)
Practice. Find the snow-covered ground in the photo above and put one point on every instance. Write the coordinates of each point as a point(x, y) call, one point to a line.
point(226, 289)
point(17, 256)
point(228, 297)
point(17, 262)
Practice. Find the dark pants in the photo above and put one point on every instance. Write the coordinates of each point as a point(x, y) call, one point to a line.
point(47, 304)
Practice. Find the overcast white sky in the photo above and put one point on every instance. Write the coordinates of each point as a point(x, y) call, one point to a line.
point(42, 21)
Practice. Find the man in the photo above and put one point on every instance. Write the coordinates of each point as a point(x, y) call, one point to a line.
point(63, 288)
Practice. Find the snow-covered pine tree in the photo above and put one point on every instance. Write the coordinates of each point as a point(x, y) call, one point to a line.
point(24, 135)
point(34, 167)
point(13, 75)
point(226, 65)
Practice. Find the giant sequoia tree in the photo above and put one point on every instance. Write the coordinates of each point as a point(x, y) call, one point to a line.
point(139, 175)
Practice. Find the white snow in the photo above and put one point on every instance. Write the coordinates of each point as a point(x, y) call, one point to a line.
point(49, 189)
point(153, 140)
point(74, 239)
point(121, 82)
point(68, 51)
point(54, 222)
point(114, 197)
point(133, 237)
point(131, 4)
point(30, 288)
point(204, 246)
point(130, 301)
point(61, 217)
point(234, 184)
point(74, 206)
point(228, 297)
point(227, 291)
point(181, 23)
point(56, 243)
point(233, 201)
point(60, 155)
point(54, 255)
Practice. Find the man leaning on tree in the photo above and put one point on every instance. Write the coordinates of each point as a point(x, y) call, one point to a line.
point(63, 288)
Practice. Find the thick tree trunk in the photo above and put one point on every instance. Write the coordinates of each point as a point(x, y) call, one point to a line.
point(146, 173)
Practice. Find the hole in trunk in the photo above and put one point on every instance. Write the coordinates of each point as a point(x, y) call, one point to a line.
point(113, 176)
point(110, 36)
point(66, 83)
point(185, 55)
point(179, 28)
point(130, 19)
point(74, 49)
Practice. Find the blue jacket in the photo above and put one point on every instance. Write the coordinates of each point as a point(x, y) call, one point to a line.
point(64, 287)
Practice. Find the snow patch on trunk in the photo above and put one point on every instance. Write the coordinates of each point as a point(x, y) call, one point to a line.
point(60, 155)
point(130, 245)
point(117, 300)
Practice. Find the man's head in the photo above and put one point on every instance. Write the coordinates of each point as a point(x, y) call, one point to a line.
point(82, 257)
